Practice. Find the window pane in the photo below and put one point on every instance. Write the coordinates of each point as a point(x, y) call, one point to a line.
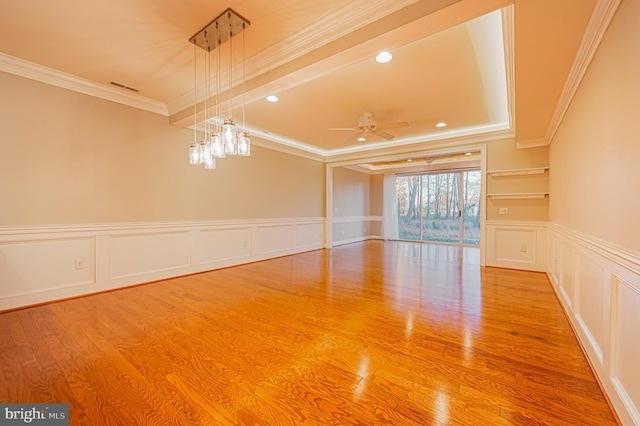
point(471, 207)
point(408, 191)
point(440, 206)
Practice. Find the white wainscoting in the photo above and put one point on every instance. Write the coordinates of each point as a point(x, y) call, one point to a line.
point(41, 264)
point(517, 245)
point(599, 288)
point(352, 229)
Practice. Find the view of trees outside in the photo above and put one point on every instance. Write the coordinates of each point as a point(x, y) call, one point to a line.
point(428, 207)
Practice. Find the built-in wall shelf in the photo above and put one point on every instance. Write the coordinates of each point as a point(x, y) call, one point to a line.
point(518, 172)
point(518, 196)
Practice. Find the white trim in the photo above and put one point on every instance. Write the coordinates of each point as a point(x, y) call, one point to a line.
point(328, 230)
point(43, 260)
point(518, 196)
point(532, 143)
point(349, 219)
point(620, 256)
point(601, 17)
point(356, 240)
point(508, 39)
point(486, 132)
point(136, 227)
point(22, 68)
point(518, 172)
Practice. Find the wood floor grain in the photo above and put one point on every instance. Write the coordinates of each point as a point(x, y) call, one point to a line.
point(370, 333)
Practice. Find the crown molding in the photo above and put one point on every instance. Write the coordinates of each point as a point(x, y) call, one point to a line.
point(508, 40)
point(601, 17)
point(344, 25)
point(26, 69)
point(261, 141)
point(398, 151)
point(532, 143)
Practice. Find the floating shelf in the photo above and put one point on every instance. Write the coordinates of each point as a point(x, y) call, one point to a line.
point(518, 172)
point(518, 196)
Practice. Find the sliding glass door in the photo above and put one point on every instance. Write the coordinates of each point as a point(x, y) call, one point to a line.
point(440, 207)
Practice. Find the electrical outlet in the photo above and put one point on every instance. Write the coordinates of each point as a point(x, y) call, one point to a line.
point(523, 248)
point(244, 243)
point(79, 263)
point(504, 210)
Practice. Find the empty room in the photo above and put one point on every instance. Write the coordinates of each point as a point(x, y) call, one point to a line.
point(411, 212)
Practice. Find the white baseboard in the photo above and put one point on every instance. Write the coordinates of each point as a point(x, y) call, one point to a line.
point(598, 286)
point(357, 240)
point(42, 264)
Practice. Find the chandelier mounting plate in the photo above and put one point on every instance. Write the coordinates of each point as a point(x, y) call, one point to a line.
point(228, 24)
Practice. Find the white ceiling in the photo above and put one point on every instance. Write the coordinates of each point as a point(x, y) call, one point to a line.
point(488, 68)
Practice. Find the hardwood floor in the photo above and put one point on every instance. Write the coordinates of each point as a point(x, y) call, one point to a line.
point(365, 334)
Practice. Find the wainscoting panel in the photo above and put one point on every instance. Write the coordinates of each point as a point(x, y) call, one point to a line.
point(565, 274)
point(308, 235)
point(591, 299)
point(31, 266)
point(517, 245)
point(625, 371)
point(218, 245)
point(133, 255)
point(42, 264)
point(599, 288)
point(273, 239)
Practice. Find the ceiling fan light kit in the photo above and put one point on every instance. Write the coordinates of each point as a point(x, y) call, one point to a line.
point(368, 125)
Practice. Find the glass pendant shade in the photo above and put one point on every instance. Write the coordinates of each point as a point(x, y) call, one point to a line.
point(230, 137)
point(208, 159)
point(194, 153)
point(201, 152)
point(216, 146)
point(209, 162)
point(244, 144)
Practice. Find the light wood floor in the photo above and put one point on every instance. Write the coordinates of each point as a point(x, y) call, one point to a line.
point(367, 334)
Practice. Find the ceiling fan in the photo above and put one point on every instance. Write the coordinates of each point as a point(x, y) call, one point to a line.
point(367, 124)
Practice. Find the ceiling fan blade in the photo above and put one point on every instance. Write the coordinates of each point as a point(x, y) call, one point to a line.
point(342, 128)
point(394, 125)
point(384, 134)
point(356, 136)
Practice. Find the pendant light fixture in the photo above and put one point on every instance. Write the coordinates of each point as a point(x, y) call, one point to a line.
point(226, 139)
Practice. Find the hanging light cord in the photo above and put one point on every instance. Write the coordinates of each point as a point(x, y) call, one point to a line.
point(206, 88)
point(217, 47)
point(244, 98)
point(230, 67)
point(195, 94)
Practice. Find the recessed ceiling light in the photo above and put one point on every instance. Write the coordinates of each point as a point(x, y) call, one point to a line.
point(441, 124)
point(468, 153)
point(409, 160)
point(361, 139)
point(383, 57)
point(272, 98)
